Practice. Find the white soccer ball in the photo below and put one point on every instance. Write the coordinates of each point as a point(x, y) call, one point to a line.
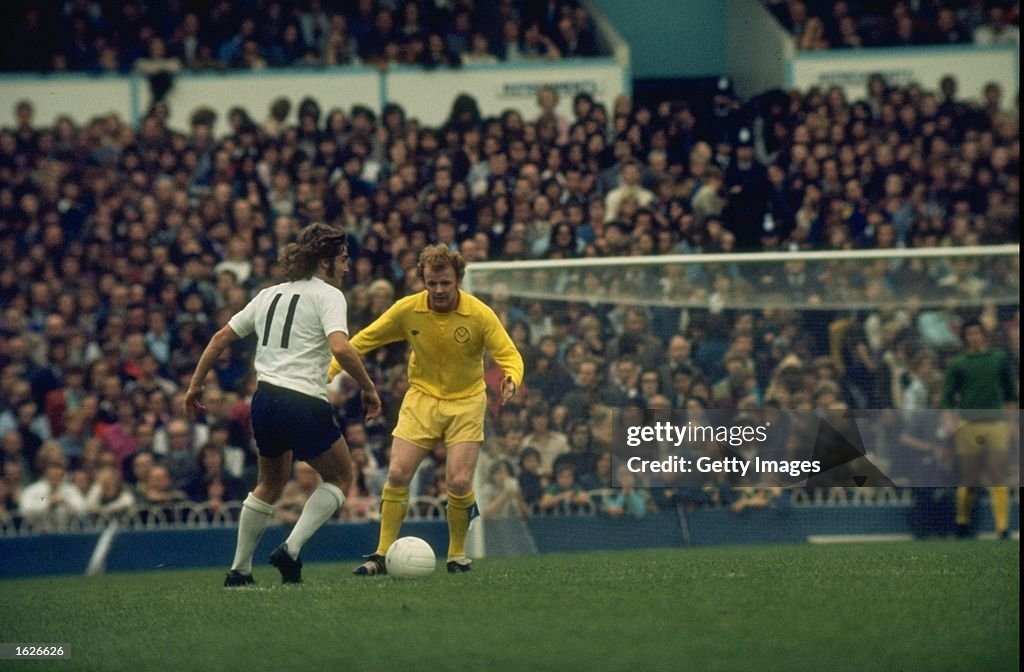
point(410, 558)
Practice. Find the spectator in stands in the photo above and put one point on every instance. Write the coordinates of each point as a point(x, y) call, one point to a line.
point(532, 484)
point(208, 473)
point(25, 421)
point(179, 454)
point(158, 489)
point(537, 45)
point(626, 499)
point(582, 453)
point(108, 495)
point(16, 477)
point(52, 501)
point(602, 474)
point(629, 188)
point(948, 29)
point(636, 340)
point(564, 495)
point(159, 68)
point(500, 496)
point(479, 51)
point(73, 439)
point(549, 443)
point(361, 500)
point(998, 30)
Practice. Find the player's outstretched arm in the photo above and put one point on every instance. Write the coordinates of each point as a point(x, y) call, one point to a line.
point(349, 358)
point(222, 339)
point(385, 329)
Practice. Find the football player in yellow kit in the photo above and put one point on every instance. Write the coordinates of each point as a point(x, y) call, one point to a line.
point(449, 331)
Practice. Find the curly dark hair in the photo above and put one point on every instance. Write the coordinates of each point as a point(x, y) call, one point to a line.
point(316, 243)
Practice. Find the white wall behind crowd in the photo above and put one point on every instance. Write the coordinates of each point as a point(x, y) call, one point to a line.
point(426, 96)
point(973, 67)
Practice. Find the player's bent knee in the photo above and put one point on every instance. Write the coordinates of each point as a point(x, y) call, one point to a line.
point(460, 484)
point(399, 479)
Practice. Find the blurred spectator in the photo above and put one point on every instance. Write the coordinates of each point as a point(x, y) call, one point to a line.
point(582, 453)
point(564, 495)
point(180, 452)
point(626, 499)
point(500, 496)
point(548, 443)
point(479, 51)
point(601, 476)
point(210, 473)
point(52, 501)
point(15, 478)
point(361, 500)
point(998, 30)
point(139, 466)
point(108, 495)
point(532, 484)
point(157, 490)
point(159, 68)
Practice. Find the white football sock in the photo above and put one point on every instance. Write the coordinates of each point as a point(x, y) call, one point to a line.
point(319, 508)
point(251, 524)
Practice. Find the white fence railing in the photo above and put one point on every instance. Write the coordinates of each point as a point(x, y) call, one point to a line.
point(192, 515)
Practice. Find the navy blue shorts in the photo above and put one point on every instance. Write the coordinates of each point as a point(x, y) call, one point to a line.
point(284, 420)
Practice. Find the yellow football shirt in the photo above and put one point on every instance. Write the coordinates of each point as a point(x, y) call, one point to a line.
point(447, 348)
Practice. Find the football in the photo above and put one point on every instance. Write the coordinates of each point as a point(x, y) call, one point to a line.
point(410, 558)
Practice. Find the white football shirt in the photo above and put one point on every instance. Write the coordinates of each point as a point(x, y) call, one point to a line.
point(291, 322)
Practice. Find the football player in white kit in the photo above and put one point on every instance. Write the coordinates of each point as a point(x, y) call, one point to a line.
point(298, 324)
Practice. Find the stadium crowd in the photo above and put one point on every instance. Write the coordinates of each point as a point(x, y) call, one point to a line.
point(853, 24)
point(166, 37)
point(123, 249)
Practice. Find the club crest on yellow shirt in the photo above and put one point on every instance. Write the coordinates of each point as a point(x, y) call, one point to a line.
point(461, 335)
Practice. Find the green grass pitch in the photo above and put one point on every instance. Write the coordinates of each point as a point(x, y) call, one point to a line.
point(935, 605)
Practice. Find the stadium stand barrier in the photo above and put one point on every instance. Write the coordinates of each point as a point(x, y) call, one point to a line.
point(193, 535)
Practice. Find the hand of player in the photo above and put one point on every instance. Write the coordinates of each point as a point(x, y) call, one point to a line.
point(508, 389)
point(192, 404)
point(371, 403)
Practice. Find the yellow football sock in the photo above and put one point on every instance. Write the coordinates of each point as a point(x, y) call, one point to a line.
point(459, 507)
point(394, 502)
point(963, 505)
point(1000, 499)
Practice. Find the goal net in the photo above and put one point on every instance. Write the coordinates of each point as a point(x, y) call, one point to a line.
point(852, 280)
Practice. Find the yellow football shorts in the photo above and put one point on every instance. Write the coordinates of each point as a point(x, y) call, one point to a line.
point(424, 419)
point(978, 436)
